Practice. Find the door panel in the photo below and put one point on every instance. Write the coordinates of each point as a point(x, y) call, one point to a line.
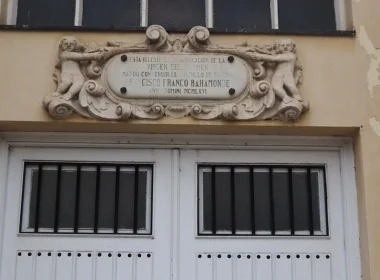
point(264, 257)
point(88, 256)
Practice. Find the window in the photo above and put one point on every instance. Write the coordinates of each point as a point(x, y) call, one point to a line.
point(86, 198)
point(262, 200)
point(222, 15)
point(46, 12)
point(306, 14)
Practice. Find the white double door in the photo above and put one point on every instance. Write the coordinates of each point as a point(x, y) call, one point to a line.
point(175, 249)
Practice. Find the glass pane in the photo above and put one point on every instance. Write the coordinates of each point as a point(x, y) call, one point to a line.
point(262, 201)
point(77, 197)
point(281, 201)
point(243, 220)
point(46, 13)
point(29, 197)
point(87, 199)
point(265, 203)
point(301, 201)
point(205, 200)
point(306, 15)
point(177, 13)
point(319, 201)
point(126, 199)
point(223, 203)
point(144, 200)
point(111, 13)
point(107, 189)
point(46, 211)
point(66, 216)
point(47, 198)
point(242, 15)
point(127, 205)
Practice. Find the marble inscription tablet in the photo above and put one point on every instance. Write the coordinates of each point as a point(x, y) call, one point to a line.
point(166, 76)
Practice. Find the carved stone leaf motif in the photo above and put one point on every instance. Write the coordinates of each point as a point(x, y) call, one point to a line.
point(274, 73)
point(92, 95)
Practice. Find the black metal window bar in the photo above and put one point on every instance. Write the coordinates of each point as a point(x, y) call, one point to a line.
point(267, 200)
point(87, 198)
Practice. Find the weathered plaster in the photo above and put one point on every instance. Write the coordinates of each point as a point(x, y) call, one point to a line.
point(375, 125)
point(373, 74)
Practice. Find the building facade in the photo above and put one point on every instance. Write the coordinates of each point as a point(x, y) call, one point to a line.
point(189, 140)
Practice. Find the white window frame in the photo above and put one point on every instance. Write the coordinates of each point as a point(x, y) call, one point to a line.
point(323, 219)
point(343, 146)
point(26, 189)
point(8, 11)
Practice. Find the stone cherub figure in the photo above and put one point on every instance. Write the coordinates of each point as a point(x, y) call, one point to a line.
point(287, 70)
point(71, 79)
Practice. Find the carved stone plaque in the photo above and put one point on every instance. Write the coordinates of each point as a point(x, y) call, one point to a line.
point(177, 77)
point(168, 76)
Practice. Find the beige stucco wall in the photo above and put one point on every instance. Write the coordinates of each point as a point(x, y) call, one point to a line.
point(341, 82)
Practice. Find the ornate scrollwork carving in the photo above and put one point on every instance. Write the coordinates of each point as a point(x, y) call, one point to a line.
point(177, 111)
point(271, 93)
point(94, 70)
point(157, 38)
point(60, 110)
point(153, 112)
point(124, 111)
point(260, 89)
point(199, 38)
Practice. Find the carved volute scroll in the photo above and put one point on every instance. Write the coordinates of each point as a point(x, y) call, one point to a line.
point(239, 82)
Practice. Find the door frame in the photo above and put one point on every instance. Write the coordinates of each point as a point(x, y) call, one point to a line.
point(343, 145)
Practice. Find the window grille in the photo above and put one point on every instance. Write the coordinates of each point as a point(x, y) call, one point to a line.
point(262, 200)
point(87, 198)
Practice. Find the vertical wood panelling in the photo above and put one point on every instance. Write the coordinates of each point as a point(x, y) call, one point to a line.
point(64, 266)
point(124, 266)
point(144, 266)
point(204, 267)
point(44, 266)
point(264, 267)
point(104, 266)
point(47, 265)
point(322, 267)
point(24, 266)
point(283, 267)
point(84, 266)
point(243, 268)
point(302, 267)
point(223, 266)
